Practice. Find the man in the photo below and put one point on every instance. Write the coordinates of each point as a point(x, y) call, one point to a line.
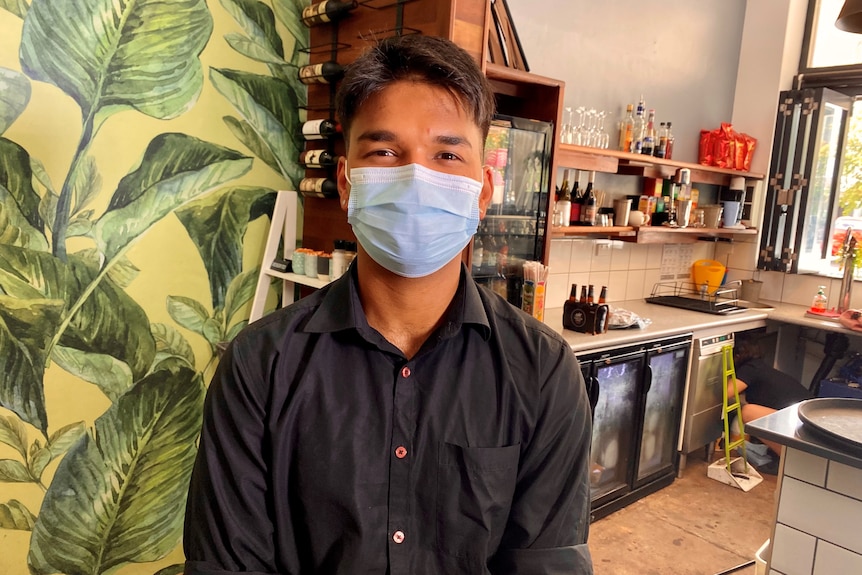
point(403, 419)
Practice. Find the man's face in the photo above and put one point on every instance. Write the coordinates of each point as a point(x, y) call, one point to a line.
point(416, 123)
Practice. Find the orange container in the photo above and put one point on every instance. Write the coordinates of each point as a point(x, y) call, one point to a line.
point(709, 272)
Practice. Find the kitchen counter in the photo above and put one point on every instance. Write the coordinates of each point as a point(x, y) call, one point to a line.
point(664, 321)
point(816, 526)
point(786, 428)
point(668, 321)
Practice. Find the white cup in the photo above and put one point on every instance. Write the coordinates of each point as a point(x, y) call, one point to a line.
point(637, 218)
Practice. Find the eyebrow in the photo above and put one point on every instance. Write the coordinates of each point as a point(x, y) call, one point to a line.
point(388, 136)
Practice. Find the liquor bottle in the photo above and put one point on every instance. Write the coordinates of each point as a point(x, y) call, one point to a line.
point(323, 73)
point(573, 293)
point(604, 295)
point(627, 127)
point(318, 187)
point(668, 152)
point(564, 205)
point(326, 11)
point(589, 209)
point(662, 141)
point(648, 145)
point(320, 129)
point(317, 159)
point(577, 200)
point(591, 295)
point(639, 128)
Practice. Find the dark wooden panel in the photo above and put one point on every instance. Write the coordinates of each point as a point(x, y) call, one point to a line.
point(323, 222)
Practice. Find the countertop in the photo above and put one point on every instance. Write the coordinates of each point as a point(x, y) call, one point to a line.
point(668, 321)
point(786, 428)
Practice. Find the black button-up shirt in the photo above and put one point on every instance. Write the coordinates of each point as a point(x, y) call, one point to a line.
point(325, 450)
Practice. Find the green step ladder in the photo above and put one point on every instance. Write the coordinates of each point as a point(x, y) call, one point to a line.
point(728, 375)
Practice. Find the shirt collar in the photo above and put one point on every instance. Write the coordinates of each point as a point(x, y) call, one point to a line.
point(341, 309)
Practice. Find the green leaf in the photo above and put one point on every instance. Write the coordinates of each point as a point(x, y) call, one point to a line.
point(235, 329)
point(79, 226)
point(246, 134)
point(12, 471)
point(13, 434)
point(289, 13)
point(14, 515)
point(269, 106)
point(171, 570)
point(15, 229)
point(187, 312)
point(251, 49)
point(62, 439)
point(175, 169)
point(139, 54)
point(216, 224)
point(14, 95)
point(26, 327)
point(87, 184)
point(171, 343)
point(212, 331)
point(118, 495)
point(240, 291)
point(109, 321)
point(16, 177)
point(258, 22)
point(39, 460)
point(112, 376)
point(123, 272)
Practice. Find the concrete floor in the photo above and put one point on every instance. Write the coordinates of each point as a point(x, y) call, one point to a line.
point(696, 526)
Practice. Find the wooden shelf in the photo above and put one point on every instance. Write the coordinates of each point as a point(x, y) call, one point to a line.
point(298, 279)
point(616, 162)
point(650, 234)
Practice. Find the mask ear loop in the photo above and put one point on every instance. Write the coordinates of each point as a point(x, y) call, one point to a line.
point(347, 177)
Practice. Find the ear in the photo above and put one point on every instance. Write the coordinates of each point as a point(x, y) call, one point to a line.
point(341, 181)
point(487, 190)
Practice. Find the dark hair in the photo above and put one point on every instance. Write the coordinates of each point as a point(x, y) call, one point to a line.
point(430, 59)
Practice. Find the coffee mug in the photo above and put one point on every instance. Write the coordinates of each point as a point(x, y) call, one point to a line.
point(637, 218)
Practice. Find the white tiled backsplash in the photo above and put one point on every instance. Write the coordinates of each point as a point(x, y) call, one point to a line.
point(631, 270)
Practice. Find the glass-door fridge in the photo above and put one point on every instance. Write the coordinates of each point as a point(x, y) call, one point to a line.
point(518, 150)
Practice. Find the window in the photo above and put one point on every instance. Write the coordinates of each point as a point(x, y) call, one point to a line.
point(814, 192)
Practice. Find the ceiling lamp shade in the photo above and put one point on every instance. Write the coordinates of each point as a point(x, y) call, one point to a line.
point(850, 18)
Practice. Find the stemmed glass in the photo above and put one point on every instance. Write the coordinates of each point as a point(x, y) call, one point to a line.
point(567, 130)
point(579, 135)
point(603, 139)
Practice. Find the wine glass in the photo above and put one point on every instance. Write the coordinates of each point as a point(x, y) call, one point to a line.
point(568, 128)
point(591, 128)
point(579, 133)
point(604, 139)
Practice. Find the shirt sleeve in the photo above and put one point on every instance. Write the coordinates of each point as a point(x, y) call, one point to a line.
point(549, 521)
point(227, 525)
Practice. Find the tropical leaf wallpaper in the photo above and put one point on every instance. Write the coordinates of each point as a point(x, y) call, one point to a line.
point(141, 142)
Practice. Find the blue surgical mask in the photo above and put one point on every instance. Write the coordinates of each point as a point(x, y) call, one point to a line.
point(410, 219)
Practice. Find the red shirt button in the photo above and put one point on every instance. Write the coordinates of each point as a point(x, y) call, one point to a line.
point(398, 536)
point(400, 452)
point(405, 372)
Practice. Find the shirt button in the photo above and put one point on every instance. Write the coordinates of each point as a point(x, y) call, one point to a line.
point(398, 536)
point(405, 372)
point(400, 452)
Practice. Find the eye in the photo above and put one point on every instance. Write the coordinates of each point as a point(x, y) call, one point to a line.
point(449, 156)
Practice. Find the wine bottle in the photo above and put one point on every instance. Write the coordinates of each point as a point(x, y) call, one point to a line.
point(648, 145)
point(326, 11)
point(317, 159)
point(565, 202)
point(577, 201)
point(318, 187)
point(323, 73)
point(589, 209)
point(320, 129)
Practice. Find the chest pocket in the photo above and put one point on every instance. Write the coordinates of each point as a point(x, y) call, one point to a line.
point(475, 486)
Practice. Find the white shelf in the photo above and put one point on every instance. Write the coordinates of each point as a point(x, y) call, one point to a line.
point(298, 279)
